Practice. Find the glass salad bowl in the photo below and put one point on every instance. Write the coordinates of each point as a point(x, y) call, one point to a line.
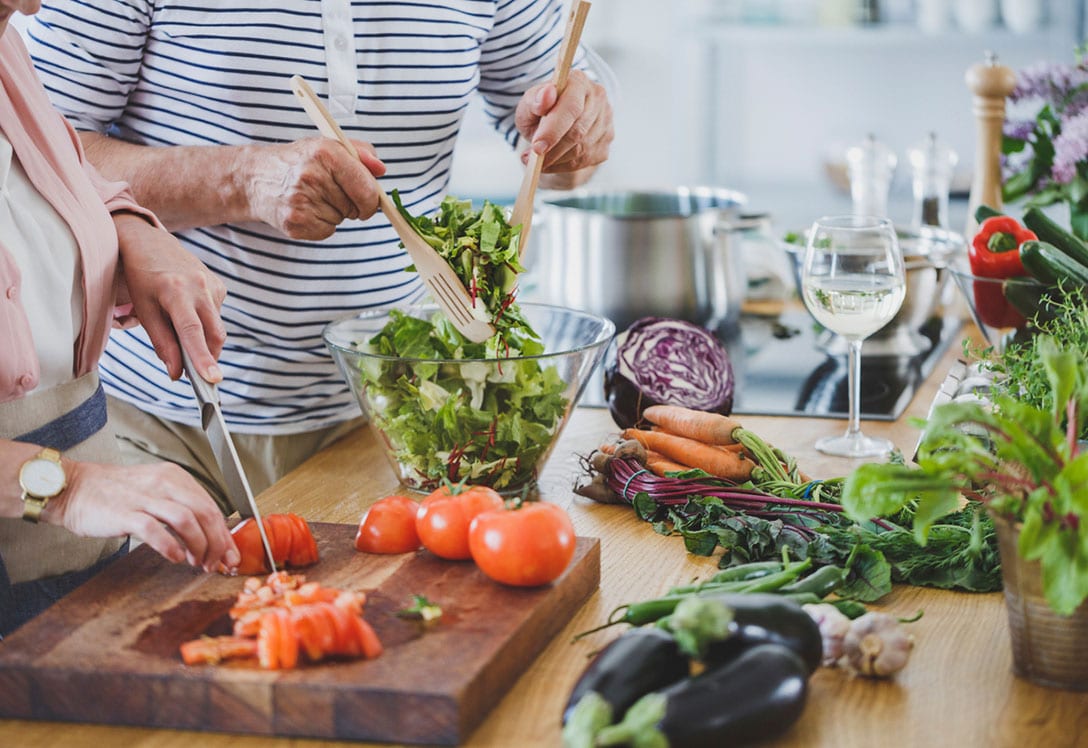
point(489, 419)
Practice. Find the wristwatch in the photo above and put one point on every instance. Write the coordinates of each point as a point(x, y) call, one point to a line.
point(41, 478)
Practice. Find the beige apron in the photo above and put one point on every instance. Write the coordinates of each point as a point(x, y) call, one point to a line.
point(34, 551)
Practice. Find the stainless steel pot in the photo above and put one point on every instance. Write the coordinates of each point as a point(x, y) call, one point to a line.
point(630, 254)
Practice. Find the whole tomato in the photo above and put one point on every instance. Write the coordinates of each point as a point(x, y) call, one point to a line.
point(524, 547)
point(444, 516)
point(389, 526)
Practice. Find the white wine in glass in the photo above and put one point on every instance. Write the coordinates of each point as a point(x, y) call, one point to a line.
point(853, 283)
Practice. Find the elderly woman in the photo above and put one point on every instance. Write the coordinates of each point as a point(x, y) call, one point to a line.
point(77, 255)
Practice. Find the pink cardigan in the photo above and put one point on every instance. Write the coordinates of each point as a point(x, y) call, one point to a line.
point(52, 156)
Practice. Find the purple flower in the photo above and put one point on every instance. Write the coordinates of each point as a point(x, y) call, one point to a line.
point(1051, 82)
point(1070, 148)
point(1019, 130)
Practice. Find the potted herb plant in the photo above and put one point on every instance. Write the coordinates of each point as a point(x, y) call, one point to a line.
point(1025, 457)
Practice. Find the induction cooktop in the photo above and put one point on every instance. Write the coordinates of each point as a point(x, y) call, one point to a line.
point(787, 365)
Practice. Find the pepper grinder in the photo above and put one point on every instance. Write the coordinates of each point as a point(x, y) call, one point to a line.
point(931, 164)
point(991, 84)
point(871, 165)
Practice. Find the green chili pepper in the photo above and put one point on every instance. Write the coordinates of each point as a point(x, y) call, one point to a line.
point(821, 582)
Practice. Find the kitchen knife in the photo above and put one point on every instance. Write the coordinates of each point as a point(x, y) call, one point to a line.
point(211, 420)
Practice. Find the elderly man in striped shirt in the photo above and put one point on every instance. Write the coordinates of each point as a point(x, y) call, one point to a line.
point(189, 103)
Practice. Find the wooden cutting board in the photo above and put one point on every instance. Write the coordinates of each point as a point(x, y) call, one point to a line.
point(108, 652)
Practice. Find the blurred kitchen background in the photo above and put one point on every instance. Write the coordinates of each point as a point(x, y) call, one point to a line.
point(765, 96)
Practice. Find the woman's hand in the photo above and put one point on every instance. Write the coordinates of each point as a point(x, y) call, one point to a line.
point(160, 504)
point(573, 131)
point(174, 296)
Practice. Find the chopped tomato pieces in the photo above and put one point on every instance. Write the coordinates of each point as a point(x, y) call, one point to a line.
point(287, 619)
point(211, 650)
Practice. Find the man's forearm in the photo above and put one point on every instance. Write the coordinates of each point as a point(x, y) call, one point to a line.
point(185, 186)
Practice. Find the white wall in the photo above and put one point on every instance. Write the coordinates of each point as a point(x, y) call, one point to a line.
point(705, 99)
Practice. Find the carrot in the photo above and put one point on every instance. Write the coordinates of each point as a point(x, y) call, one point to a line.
point(608, 449)
point(659, 464)
point(717, 462)
point(709, 428)
point(734, 447)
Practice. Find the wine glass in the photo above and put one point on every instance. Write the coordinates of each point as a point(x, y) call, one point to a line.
point(853, 283)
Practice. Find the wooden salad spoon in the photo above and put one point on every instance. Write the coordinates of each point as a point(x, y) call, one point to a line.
point(523, 205)
point(436, 273)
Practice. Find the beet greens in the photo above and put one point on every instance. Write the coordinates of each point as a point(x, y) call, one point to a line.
point(781, 511)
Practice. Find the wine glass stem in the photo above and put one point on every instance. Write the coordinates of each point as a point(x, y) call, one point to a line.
point(854, 382)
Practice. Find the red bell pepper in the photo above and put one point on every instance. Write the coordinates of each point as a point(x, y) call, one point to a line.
point(994, 253)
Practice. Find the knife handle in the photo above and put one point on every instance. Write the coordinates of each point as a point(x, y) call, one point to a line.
point(206, 392)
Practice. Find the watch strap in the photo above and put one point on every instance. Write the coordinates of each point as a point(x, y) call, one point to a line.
point(33, 507)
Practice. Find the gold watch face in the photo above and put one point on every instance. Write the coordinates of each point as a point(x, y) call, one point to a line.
point(42, 477)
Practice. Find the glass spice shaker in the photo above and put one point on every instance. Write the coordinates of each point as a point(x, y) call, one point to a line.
point(871, 165)
point(932, 163)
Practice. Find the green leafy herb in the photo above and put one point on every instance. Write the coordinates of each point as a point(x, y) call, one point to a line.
point(1022, 459)
point(421, 609)
point(1019, 366)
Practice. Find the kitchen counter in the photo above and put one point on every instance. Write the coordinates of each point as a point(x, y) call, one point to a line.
point(957, 689)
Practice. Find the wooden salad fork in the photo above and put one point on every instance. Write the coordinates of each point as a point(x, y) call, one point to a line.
point(436, 273)
point(523, 204)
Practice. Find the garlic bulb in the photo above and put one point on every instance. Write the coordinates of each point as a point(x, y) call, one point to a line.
point(876, 645)
point(833, 627)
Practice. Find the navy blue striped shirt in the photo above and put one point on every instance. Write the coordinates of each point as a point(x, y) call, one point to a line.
point(398, 74)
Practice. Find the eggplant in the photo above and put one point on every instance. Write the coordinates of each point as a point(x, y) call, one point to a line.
point(754, 697)
point(634, 664)
point(762, 618)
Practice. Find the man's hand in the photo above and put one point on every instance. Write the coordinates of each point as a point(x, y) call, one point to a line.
point(573, 131)
point(308, 187)
point(174, 296)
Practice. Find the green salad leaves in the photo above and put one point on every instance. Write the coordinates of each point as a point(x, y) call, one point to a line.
point(450, 409)
point(483, 250)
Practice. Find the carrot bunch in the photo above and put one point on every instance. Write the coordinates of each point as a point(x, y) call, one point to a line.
point(284, 619)
point(681, 439)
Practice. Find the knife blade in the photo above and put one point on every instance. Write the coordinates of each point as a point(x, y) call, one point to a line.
point(215, 428)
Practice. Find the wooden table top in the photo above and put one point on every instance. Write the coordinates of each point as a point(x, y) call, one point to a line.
point(957, 690)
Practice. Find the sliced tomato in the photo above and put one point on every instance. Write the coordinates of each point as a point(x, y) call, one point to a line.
point(268, 641)
point(211, 650)
point(248, 539)
point(310, 633)
point(288, 643)
point(249, 624)
point(289, 536)
point(310, 593)
point(304, 545)
point(368, 639)
point(347, 639)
